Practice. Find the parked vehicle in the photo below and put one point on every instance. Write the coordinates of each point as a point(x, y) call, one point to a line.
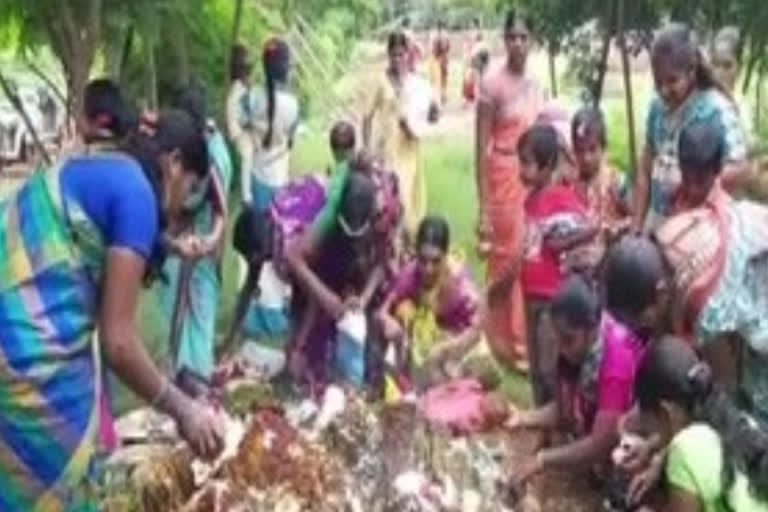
point(46, 116)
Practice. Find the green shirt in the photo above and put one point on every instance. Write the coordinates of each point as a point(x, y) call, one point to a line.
point(326, 219)
point(694, 465)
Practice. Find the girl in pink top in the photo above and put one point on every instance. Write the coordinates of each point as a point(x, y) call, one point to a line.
point(598, 359)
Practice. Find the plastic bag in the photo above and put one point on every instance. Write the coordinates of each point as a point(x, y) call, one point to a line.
point(349, 360)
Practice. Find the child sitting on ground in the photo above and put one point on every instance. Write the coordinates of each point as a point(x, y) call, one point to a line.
point(555, 221)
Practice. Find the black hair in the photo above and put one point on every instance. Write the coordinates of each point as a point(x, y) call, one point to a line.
point(482, 59)
point(397, 38)
point(514, 17)
point(588, 122)
point(177, 130)
point(239, 67)
point(250, 235)
point(357, 200)
point(103, 103)
point(342, 137)
point(434, 230)
point(702, 146)
point(174, 130)
point(191, 99)
point(542, 142)
point(276, 59)
point(632, 271)
point(672, 372)
point(676, 47)
point(577, 303)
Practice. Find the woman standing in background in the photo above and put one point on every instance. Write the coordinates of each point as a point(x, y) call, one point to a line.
point(402, 105)
point(508, 105)
point(238, 125)
point(191, 295)
point(687, 91)
point(273, 115)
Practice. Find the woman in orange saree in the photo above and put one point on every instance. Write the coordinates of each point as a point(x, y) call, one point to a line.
point(508, 105)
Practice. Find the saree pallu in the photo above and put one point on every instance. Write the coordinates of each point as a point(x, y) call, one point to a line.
point(504, 197)
point(198, 322)
point(722, 285)
point(663, 128)
point(50, 376)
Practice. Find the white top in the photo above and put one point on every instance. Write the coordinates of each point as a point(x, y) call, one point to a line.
point(417, 98)
point(271, 165)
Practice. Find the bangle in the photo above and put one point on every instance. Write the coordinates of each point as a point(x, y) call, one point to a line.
point(161, 394)
point(540, 461)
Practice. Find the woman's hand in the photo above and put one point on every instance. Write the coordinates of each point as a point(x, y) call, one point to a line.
point(209, 245)
point(524, 470)
point(483, 228)
point(390, 328)
point(635, 456)
point(188, 247)
point(297, 363)
point(499, 289)
point(438, 355)
point(646, 480)
point(517, 419)
point(200, 427)
point(433, 116)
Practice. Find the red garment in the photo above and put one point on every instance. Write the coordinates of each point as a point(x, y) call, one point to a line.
point(463, 407)
point(552, 207)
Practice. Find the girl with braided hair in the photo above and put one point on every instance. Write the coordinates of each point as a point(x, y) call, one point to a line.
point(273, 115)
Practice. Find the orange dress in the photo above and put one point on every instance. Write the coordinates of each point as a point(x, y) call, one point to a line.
point(516, 106)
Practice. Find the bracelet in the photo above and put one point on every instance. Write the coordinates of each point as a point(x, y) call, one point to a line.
point(161, 395)
point(540, 459)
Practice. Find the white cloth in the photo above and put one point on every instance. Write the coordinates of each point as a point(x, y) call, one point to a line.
point(417, 98)
point(271, 165)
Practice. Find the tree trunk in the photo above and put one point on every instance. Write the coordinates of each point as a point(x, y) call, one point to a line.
point(605, 52)
point(19, 106)
point(182, 56)
point(626, 71)
point(236, 23)
point(77, 71)
point(151, 91)
point(759, 100)
point(551, 54)
point(74, 43)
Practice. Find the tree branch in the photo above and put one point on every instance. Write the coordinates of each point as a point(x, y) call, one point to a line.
point(94, 23)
